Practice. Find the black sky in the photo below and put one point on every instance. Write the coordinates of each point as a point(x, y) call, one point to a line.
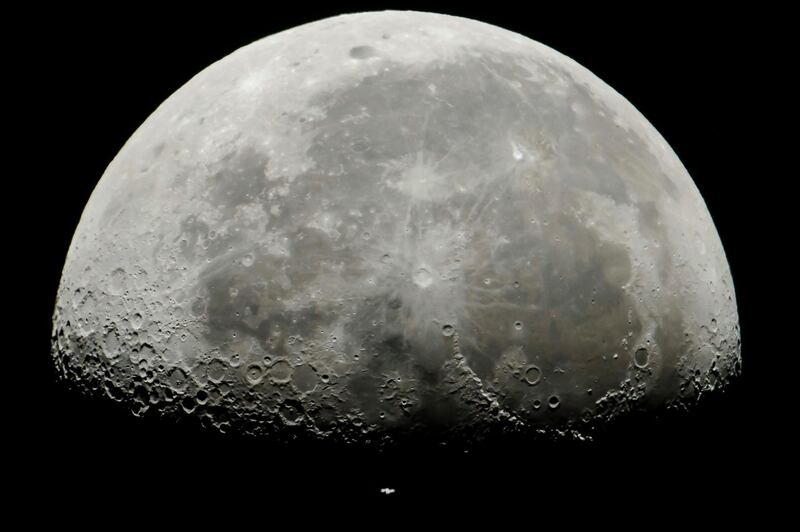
point(97, 73)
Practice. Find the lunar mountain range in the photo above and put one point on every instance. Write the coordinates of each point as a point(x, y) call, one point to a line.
point(392, 224)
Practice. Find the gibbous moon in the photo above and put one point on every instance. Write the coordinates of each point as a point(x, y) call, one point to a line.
point(387, 225)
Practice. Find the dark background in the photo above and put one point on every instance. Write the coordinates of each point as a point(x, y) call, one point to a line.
point(96, 74)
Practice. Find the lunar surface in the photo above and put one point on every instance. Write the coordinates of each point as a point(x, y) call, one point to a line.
point(391, 224)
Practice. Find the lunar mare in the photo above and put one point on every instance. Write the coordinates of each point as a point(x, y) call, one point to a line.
point(391, 224)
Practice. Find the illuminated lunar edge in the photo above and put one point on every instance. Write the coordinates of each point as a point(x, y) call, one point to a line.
point(391, 224)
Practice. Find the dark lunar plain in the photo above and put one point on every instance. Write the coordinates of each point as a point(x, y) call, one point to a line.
point(97, 75)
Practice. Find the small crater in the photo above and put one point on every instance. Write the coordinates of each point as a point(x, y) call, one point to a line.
point(304, 378)
point(362, 52)
point(533, 375)
point(280, 372)
point(641, 357)
point(216, 370)
point(214, 395)
point(518, 325)
point(141, 394)
point(201, 397)
point(137, 321)
point(448, 330)
point(423, 278)
point(254, 374)
point(188, 404)
point(553, 402)
point(177, 379)
point(291, 411)
point(118, 281)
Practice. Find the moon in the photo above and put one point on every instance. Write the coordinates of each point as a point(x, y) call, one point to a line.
point(386, 225)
